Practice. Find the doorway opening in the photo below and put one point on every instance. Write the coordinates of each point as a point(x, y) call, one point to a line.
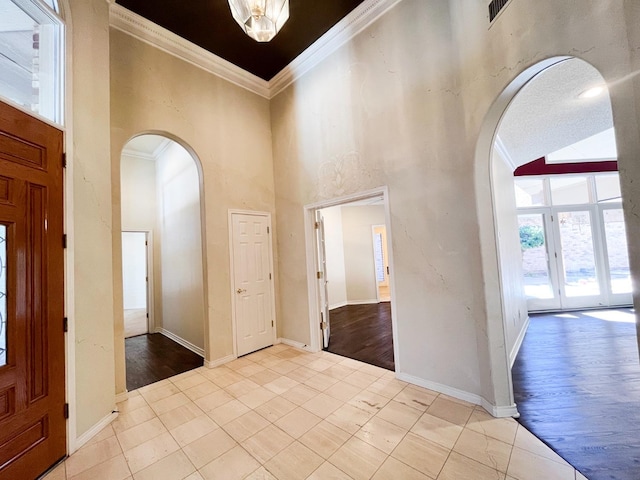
point(350, 278)
point(162, 255)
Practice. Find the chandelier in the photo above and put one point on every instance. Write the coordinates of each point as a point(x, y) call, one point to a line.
point(260, 19)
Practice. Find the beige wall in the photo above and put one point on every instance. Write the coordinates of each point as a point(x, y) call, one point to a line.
point(334, 249)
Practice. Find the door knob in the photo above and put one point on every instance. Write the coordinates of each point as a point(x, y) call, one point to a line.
point(240, 290)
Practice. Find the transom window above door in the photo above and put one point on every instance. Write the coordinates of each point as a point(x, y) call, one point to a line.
point(31, 56)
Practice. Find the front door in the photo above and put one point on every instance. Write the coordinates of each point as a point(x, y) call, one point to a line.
point(32, 366)
point(252, 276)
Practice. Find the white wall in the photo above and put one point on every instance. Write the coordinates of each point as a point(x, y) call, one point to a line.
point(357, 223)
point(334, 247)
point(134, 270)
point(180, 229)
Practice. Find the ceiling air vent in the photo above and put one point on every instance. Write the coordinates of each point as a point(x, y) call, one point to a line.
point(495, 7)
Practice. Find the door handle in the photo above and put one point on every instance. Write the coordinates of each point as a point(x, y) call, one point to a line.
point(241, 290)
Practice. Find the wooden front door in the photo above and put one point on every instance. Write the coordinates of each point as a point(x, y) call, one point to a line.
point(32, 366)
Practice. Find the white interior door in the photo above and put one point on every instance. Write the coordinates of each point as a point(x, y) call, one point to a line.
point(381, 262)
point(325, 324)
point(135, 283)
point(252, 295)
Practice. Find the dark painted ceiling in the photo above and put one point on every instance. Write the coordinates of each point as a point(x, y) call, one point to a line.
point(209, 24)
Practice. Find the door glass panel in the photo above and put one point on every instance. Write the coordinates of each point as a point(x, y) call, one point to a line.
point(3, 295)
point(537, 283)
point(529, 192)
point(617, 253)
point(569, 190)
point(608, 188)
point(578, 261)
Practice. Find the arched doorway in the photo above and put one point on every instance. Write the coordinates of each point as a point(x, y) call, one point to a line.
point(162, 254)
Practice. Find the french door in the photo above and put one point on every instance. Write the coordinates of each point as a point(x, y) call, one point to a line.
point(574, 257)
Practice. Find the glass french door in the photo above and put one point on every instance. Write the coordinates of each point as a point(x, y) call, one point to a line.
point(574, 257)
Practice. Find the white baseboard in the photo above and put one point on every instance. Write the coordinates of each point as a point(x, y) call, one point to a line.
point(93, 431)
point(363, 302)
point(188, 345)
point(519, 340)
point(440, 388)
point(501, 411)
point(294, 344)
point(338, 305)
point(219, 361)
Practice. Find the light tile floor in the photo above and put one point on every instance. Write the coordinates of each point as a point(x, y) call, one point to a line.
point(282, 413)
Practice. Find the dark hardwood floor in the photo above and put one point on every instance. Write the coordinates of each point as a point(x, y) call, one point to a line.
point(577, 386)
point(154, 357)
point(363, 332)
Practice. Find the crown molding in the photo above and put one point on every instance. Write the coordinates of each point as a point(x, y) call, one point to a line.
point(360, 18)
point(139, 27)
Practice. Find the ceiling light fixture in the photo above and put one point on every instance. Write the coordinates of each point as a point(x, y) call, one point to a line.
point(260, 19)
point(592, 92)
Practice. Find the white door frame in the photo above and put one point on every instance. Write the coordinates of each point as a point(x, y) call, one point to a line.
point(315, 338)
point(267, 215)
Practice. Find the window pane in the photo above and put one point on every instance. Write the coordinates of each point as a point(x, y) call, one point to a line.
point(569, 190)
point(30, 59)
point(578, 260)
point(618, 257)
point(3, 295)
point(529, 192)
point(537, 283)
point(608, 188)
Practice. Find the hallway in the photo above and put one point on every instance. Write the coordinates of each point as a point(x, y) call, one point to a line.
point(577, 387)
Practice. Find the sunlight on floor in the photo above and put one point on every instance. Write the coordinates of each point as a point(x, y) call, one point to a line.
point(612, 316)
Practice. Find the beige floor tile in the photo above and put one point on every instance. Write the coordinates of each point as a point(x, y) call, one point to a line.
point(163, 391)
point(181, 415)
point(322, 405)
point(132, 403)
point(301, 374)
point(360, 379)
point(421, 454)
point(393, 469)
point(235, 464)
point(209, 447)
point(113, 469)
point(239, 363)
point(284, 367)
point(528, 441)
point(225, 380)
point(303, 359)
point(294, 462)
point(153, 386)
point(324, 439)
point(450, 411)
point(351, 363)
point(58, 473)
point(328, 471)
point(358, 459)
point(339, 371)
point(193, 429)
point(241, 388)
point(387, 388)
point(320, 381)
point(172, 467)
point(217, 372)
point(301, 394)
point(320, 365)
point(459, 467)
point(263, 377)
point(169, 403)
point(106, 432)
point(125, 421)
point(141, 433)
point(486, 450)
point(298, 422)
point(281, 385)
point(525, 465)
point(503, 429)
point(250, 370)
point(418, 398)
point(257, 397)
point(369, 401)
point(228, 412)
point(194, 476)
point(349, 418)
point(400, 414)
point(150, 452)
point(276, 408)
point(267, 443)
point(437, 430)
point(213, 400)
point(381, 434)
point(201, 390)
point(91, 455)
point(343, 391)
point(261, 474)
point(372, 370)
point(245, 426)
point(190, 381)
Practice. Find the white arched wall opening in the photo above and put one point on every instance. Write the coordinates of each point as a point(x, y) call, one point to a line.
point(156, 303)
